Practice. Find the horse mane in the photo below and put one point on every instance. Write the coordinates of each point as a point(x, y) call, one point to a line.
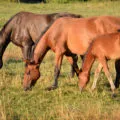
point(66, 14)
point(58, 15)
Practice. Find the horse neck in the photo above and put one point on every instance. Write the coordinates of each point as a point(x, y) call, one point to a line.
point(40, 50)
point(88, 61)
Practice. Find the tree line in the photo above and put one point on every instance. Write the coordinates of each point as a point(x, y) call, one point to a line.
point(56, 1)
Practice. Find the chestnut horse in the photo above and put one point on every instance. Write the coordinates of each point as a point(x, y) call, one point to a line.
point(103, 48)
point(25, 28)
point(67, 36)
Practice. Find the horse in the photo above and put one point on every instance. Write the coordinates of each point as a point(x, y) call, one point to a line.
point(24, 30)
point(103, 48)
point(67, 36)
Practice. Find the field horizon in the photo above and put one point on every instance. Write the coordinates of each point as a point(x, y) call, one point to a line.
point(66, 102)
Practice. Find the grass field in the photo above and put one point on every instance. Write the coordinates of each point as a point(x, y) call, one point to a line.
point(66, 102)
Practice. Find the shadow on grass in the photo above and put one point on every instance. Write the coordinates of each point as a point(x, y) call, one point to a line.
point(16, 117)
point(33, 1)
point(11, 60)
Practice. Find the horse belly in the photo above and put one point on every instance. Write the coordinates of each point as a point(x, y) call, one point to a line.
point(115, 54)
point(77, 46)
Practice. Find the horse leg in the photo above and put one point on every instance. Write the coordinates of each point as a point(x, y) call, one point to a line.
point(97, 72)
point(27, 52)
point(32, 51)
point(74, 67)
point(58, 62)
point(105, 68)
point(117, 68)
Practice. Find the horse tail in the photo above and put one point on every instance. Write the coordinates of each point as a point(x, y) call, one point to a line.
point(5, 36)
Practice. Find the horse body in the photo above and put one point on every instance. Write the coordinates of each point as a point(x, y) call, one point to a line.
point(69, 36)
point(102, 48)
point(77, 39)
point(24, 29)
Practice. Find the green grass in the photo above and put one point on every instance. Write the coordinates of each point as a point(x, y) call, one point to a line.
point(66, 102)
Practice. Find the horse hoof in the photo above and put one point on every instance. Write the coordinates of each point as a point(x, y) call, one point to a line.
point(114, 95)
point(51, 88)
point(28, 89)
point(80, 89)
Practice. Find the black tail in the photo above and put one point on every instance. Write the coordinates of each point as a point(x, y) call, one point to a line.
point(5, 37)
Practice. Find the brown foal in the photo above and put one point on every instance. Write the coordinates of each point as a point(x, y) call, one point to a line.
point(103, 48)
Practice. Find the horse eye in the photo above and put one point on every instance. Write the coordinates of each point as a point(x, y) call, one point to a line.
point(28, 73)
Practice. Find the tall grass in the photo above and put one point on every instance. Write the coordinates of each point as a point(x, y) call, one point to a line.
point(66, 102)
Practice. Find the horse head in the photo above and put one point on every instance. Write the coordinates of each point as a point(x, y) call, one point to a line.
point(31, 75)
point(83, 79)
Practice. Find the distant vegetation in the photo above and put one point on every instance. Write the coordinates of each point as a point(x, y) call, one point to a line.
point(55, 1)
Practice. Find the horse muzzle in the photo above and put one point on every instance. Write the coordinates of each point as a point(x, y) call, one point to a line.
point(27, 88)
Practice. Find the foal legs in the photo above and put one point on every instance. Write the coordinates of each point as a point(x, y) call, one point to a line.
point(105, 68)
point(117, 80)
point(97, 72)
point(58, 62)
point(117, 67)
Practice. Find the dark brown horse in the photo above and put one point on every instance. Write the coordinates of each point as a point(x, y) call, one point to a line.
point(102, 48)
point(24, 29)
point(67, 36)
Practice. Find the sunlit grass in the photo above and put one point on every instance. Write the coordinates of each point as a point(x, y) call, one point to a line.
point(66, 102)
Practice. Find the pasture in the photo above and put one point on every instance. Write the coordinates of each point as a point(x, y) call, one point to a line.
point(66, 102)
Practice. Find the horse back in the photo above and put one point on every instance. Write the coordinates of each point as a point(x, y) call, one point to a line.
point(107, 45)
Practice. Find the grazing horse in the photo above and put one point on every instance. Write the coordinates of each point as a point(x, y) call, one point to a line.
point(25, 28)
point(67, 36)
point(103, 48)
